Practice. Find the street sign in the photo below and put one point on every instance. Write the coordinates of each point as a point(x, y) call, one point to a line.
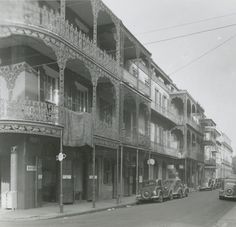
point(61, 156)
point(151, 161)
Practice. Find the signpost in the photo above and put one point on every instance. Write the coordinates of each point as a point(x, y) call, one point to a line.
point(60, 158)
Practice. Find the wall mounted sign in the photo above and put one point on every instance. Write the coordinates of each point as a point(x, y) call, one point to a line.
point(91, 177)
point(31, 168)
point(66, 177)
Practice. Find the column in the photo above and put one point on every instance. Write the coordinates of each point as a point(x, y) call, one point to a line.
point(95, 17)
point(94, 103)
point(137, 172)
point(118, 43)
point(13, 177)
point(63, 9)
point(121, 172)
point(137, 57)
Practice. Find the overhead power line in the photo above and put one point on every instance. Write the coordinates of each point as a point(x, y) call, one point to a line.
point(202, 55)
point(190, 34)
point(186, 24)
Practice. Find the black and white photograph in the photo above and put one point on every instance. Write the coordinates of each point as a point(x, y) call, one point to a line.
point(117, 113)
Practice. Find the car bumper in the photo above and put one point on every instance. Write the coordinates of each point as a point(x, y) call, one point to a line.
point(223, 194)
point(140, 198)
point(205, 189)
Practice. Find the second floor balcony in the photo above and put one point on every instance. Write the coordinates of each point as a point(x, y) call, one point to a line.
point(210, 162)
point(166, 150)
point(29, 110)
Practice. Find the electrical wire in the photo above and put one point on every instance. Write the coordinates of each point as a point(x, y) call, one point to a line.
point(202, 55)
point(186, 24)
point(190, 34)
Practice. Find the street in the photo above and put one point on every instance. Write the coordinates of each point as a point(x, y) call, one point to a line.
point(199, 209)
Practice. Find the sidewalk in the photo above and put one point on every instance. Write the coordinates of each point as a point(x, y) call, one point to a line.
point(52, 210)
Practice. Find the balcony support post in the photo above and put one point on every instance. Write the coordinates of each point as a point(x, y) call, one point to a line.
point(94, 107)
point(137, 171)
point(95, 9)
point(121, 171)
point(137, 121)
point(63, 9)
point(137, 63)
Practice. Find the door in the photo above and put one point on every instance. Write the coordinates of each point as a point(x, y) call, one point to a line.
point(67, 181)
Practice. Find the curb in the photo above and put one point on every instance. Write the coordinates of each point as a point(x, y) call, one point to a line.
point(92, 211)
point(35, 218)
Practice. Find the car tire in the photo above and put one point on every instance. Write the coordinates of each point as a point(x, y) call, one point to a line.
point(171, 196)
point(186, 194)
point(160, 200)
point(221, 197)
point(181, 195)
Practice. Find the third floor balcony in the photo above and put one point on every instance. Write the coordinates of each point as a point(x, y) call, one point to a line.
point(133, 81)
point(167, 113)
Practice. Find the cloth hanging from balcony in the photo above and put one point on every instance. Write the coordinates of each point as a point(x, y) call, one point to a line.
point(77, 129)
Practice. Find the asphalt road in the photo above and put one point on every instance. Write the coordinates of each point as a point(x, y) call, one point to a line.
point(199, 209)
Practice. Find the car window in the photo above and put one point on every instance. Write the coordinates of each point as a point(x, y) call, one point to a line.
point(148, 183)
point(167, 183)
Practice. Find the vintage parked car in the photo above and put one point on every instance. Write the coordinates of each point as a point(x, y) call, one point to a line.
point(218, 183)
point(207, 185)
point(176, 187)
point(154, 190)
point(228, 188)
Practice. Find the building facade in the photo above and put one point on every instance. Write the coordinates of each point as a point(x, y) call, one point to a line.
point(211, 148)
point(75, 80)
point(224, 157)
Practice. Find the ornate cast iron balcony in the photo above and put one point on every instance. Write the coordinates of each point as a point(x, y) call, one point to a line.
point(162, 149)
point(166, 112)
point(28, 110)
point(106, 130)
point(134, 82)
point(29, 14)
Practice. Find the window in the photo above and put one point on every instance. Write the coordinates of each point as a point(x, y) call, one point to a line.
point(156, 97)
point(49, 87)
point(107, 172)
point(76, 97)
point(105, 111)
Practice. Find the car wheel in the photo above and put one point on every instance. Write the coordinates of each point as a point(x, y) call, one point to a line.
point(186, 194)
point(171, 196)
point(181, 195)
point(221, 197)
point(160, 200)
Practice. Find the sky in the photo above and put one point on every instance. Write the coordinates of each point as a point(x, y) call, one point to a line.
point(204, 63)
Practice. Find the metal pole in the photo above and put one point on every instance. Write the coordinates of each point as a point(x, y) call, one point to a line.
point(137, 175)
point(149, 167)
point(185, 170)
point(94, 183)
point(61, 186)
point(121, 172)
point(117, 176)
point(36, 182)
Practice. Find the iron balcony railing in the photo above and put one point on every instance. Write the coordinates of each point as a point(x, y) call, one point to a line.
point(135, 139)
point(210, 161)
point(194, 124)
point(166, 112)
point(29, 110)
point(167, 150)
point(134, 82)
point(29, 14)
